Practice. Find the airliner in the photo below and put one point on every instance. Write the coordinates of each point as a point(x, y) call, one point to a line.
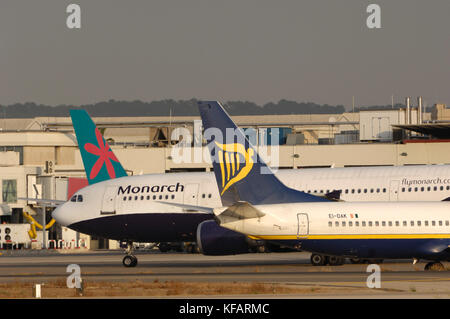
point(257, 204)
point(128, 208)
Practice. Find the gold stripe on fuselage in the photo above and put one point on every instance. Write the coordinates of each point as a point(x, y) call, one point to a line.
point(358, 236)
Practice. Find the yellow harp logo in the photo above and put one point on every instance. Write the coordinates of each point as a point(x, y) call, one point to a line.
point(230, 160)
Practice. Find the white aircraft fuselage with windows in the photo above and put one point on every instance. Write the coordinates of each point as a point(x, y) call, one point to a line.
point(128, 208)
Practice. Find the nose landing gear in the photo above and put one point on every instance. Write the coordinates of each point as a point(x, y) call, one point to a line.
point(129, 260)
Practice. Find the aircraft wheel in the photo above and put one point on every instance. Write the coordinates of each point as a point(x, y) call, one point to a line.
point(129, 261)
point(434, 266)
point(335, 260)
point(318, 260)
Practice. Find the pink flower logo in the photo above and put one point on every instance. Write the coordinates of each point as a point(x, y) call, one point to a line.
point(105, 155)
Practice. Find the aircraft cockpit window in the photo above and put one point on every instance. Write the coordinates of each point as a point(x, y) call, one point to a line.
point(74, 198)
point(80, 198)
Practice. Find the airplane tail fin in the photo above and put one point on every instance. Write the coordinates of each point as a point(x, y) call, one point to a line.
point(99, 161)
point(240, 172)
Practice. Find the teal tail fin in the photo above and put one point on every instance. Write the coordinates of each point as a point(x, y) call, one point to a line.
point(99, 161)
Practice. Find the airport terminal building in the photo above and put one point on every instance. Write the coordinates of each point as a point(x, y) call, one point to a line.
point(40, 156)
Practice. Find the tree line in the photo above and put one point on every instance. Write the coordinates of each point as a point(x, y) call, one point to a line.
point(174, 108)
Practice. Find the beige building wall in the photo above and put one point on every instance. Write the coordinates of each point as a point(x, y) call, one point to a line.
point(38, 155)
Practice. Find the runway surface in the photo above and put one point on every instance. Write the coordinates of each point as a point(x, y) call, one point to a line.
point(398, 278)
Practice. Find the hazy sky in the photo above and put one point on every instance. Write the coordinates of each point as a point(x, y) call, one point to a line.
point(258, 50)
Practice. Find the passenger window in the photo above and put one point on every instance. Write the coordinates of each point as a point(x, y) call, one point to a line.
point(350, 224)
point(403, 189)
point(371, 190)
point(378, 190)
point(448, 187)
point(359, 190)
point(426, 223)
point(377, 224)
point(353, 191)
point(447, 223)
point(330, 224)
point(384, 190)
point(124, 198)
point(167, 196)
point(203, 196)
point(365, 190)
point(135, 198)
point(405, 223)
point(336, 224)
point(440, 223)
point(130, 198)
point(343, 224)
point(142, 197)
point(80, 198)
point(209, 195)
point(357, 224)
point(416, 189)
point(346, 191)
point(435, 188)
point(429, 188)
point(442, 188)
point(419, 223)
point(383, 224)
point(148, 197)
point(433, 223)
point(370, 224)
point(173, 196)
point(412, 223)
point(154, 197)
point(409, 189)
point(74, 198)
point(390, 224)
point(397, 223)
point(363, 224)
point(160, 196)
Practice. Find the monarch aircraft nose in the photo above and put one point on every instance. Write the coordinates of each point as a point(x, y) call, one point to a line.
point(61, 215)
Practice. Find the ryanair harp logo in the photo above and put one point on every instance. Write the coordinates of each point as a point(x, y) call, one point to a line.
point(230, 158)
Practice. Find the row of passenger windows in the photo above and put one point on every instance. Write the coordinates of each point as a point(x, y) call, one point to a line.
point(382, 190)
point(154, 197)
point(387, 223)
point(422, 189)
